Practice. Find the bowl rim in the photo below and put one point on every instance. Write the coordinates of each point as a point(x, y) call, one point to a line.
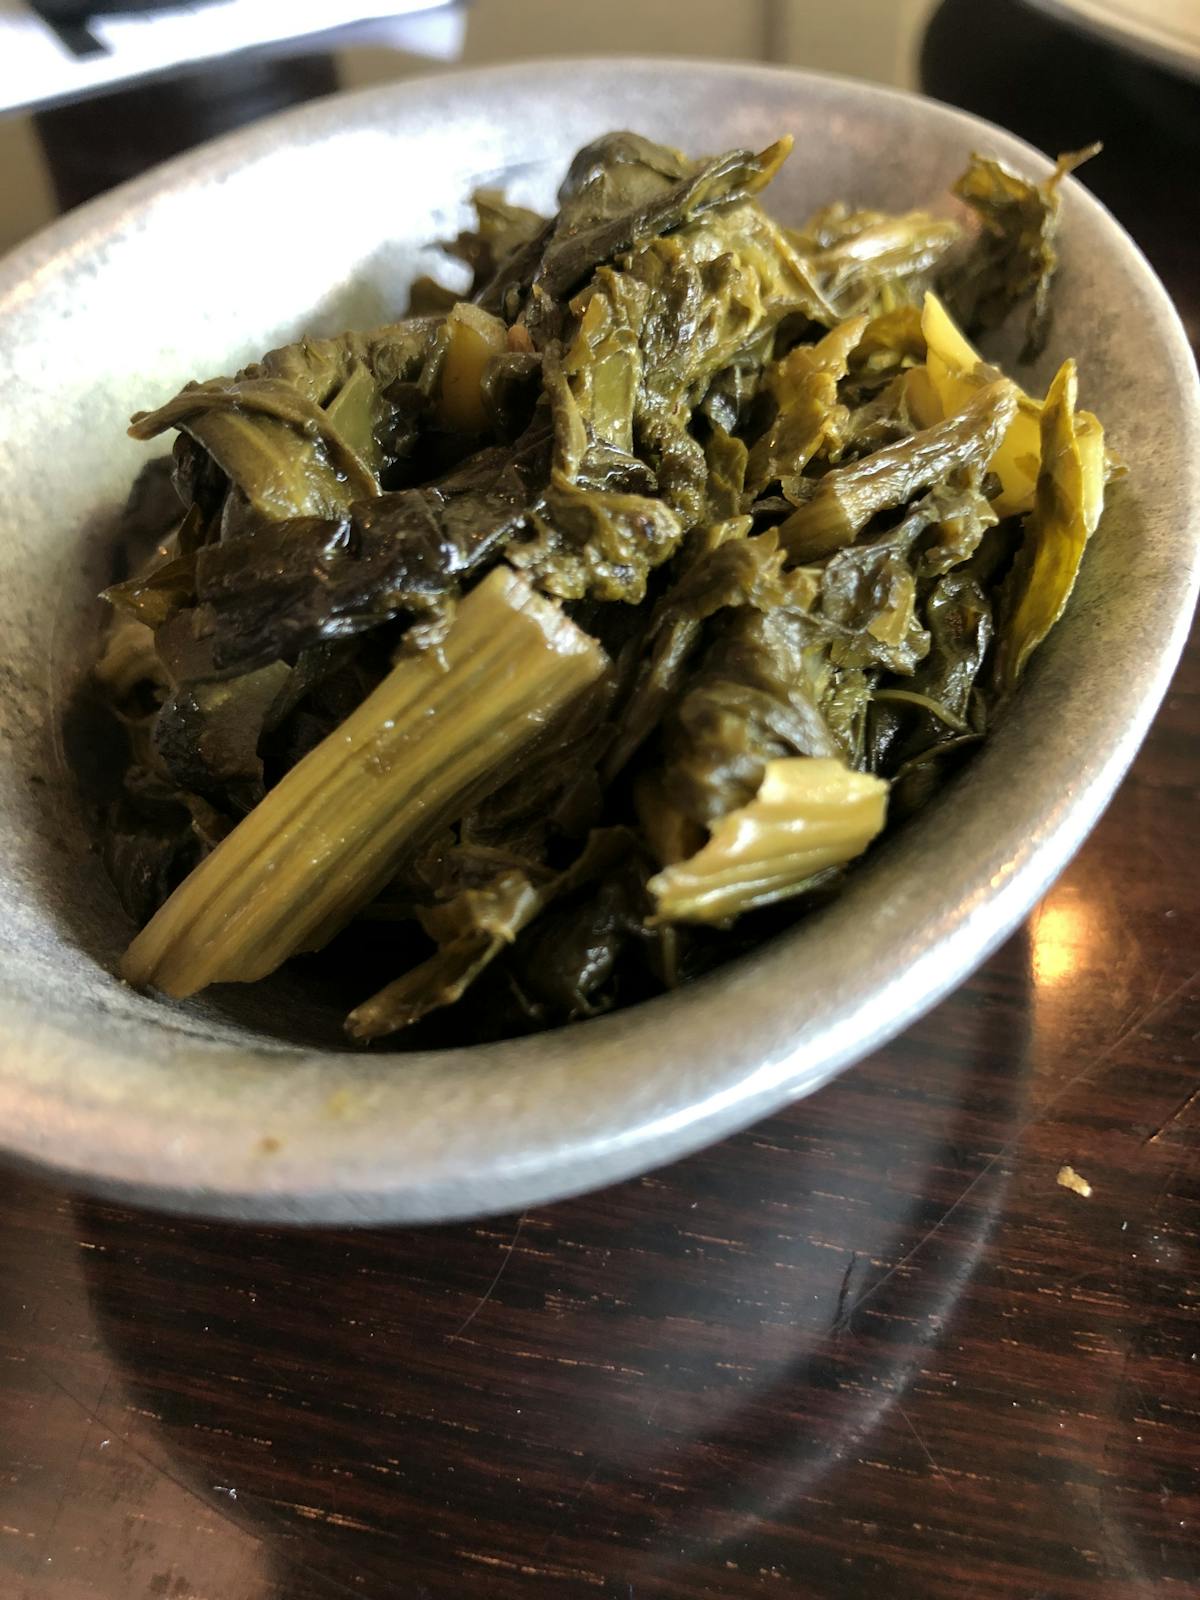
point(701, 1086)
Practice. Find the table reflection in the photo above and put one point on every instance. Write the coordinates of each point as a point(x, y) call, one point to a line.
point(540, 1380)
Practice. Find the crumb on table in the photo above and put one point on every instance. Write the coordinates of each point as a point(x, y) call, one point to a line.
point(1068, 1178)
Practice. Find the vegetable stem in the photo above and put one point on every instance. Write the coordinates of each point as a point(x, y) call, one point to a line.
point(428, 741)
point(810, 814)
point(848, 497)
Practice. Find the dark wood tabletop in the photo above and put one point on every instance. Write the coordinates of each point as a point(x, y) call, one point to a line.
point(871, 1345)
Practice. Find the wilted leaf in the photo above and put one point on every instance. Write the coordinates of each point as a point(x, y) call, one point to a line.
point(1070, 499)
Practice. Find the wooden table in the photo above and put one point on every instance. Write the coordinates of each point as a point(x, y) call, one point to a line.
point(871, 1343)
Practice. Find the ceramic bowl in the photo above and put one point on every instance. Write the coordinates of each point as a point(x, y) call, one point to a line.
point(317, 220)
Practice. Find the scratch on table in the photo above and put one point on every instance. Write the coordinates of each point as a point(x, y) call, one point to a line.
point(1150, 1014)
point(491, 1288)
point(587, 1482)
point(92, 1413)
point(937, 1471)
point(1181, 1110)
point(841, 1321)
point(147, 1460)
point(569, 1507)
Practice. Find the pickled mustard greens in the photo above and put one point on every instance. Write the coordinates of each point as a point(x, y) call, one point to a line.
point(329, 834)
point(541, 644)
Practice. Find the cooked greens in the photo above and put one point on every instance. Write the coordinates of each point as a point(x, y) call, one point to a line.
point(529, 644)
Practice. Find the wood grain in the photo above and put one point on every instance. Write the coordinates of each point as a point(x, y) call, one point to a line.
point(868, 1344)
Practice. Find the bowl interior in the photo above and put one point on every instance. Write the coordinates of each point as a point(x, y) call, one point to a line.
point(318, 221)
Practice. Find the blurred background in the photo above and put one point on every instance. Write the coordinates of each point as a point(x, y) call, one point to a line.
point(58, 58)
point(58, 50)
point(95, 91)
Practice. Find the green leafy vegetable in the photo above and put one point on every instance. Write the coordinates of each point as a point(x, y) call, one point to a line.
point(496, 896)
point(289, 585)
point(806, 817)
point(519, 648)
point(305, 430)
point(329, 836)
point(1070, 500)
point(1016, 258)
point(867, 261)
point(846, 499)
point(755, 697)
point(623, 189)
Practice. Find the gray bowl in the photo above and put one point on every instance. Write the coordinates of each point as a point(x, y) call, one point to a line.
point(317, 220)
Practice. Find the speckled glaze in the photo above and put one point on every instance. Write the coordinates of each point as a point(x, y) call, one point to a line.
point(225, 1105)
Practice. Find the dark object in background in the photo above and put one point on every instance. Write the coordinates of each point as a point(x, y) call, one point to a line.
point(1147, 117)
point(94, 144)
point(70, 18)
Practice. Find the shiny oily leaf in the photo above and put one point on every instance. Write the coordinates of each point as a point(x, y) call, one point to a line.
point(596, 542)
point(292, 584)
point(623, 189)
point(304, 431)
point(809, 417)
point(493, 916)
point(1070, 499)
point(755, 697)
point(871, 261)
point(848, 497)
point(1015, 257)
point(334, 830)
point(732, 571)
point(476, 925)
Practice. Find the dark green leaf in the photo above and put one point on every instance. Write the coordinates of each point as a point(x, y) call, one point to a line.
point(1015, 257)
